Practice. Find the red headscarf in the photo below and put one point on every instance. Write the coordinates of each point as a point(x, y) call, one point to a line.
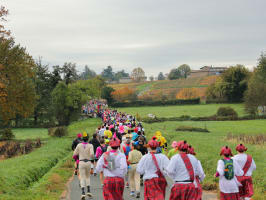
point(226, 151)
point(191, 150)
point(241, 148)
point(153, 143)
point(115, 142)
point(183, 145)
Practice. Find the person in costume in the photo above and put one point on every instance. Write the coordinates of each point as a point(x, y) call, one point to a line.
point(174, 150)
point(162, 142)
point(85, 152)
point(108, 133)
point(99, 152)
point(95, 143)
point(201, 175)
point(134, 177)
point(248, 165)
point(227, 170)
point(74, 145)
point(183, 169)
point(113, 164)
point(153, 166)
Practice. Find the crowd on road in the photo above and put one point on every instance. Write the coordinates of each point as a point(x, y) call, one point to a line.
point(120, 153)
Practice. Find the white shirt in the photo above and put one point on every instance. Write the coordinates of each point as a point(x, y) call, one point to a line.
point(146, 165)
point(177, 169)
point(120, 164)
point(229, 186)
point(101, 132)
point(241, 160)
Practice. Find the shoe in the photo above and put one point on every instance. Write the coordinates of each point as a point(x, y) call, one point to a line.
point(127, 185)
point(132, 193)
point(138, 195)
point(76, 172)
point(95, 174)
point(83, 196)
point(89, 194)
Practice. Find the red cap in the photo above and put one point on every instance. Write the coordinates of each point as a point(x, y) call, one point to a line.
point(226, 151)
point(136, 130)
point(182, 145)
point(153, 143)
point(191, 150)
point(241, 148)
point(115, 142)
point(79, 135)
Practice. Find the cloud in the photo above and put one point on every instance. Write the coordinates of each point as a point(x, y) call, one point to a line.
point(155, 35)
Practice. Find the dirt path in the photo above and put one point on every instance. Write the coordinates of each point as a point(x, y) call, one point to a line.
point(75, 192)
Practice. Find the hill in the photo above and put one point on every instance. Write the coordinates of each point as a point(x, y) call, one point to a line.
point(168, 88)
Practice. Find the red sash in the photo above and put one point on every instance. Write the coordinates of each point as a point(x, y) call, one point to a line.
point(188, 165)
point(247, 164)
point(159, 173)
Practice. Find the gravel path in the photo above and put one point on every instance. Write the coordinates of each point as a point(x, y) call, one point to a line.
point(75, 191)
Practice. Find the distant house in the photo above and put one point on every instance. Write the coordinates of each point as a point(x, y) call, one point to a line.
point(207, 71)
point(125, 80)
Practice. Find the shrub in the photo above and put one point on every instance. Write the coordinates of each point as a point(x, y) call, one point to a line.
point(12, 149)
point(59, 131)
point(227, 112)
point(6, 134)
point(28, 146)
point(192, 129)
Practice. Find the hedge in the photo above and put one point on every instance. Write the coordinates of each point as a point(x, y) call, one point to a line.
point(156, 103)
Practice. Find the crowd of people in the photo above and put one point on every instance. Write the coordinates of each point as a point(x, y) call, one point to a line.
point(120, 153)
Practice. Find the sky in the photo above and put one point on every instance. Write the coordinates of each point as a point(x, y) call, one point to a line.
point(157, 35)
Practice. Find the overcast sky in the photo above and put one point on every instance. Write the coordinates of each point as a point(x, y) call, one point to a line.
point(156, 35)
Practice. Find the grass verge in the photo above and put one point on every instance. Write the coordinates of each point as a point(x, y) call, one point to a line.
point(42, 174)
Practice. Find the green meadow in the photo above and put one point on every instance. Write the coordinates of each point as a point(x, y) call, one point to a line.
point(207, 145)
point(202, 110)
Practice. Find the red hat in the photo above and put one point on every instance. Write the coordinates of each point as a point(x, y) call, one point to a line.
point(241, 148)
point(153, 143)
point(115, 142)
point(79, 135)
point(136, 130)
point(182, 145)
point(191, 150)
point(226, 151)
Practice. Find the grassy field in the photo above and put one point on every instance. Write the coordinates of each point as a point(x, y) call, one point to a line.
point(177, 111)
point(43, 173)
point(207, 145)
point(30, 133)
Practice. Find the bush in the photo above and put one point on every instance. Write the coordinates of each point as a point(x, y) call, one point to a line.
point(27, 147)
point(12, 149)
point(191, 129)
point(6, 134)
point(59, 131)
point(227, 112)
point(38, 143)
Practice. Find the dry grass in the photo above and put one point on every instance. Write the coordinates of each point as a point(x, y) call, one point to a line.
point(55, 183)
point(249, 139)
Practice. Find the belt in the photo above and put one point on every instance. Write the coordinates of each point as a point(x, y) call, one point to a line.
point(186, 181)
point(134, 163)
point(85, 160)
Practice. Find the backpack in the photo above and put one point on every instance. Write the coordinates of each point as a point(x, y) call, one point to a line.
point(228, 169)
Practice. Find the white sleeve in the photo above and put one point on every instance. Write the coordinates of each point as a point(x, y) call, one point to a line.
point(165, 164)
point(253, 165)
point(140, 167)
point(171, 168)
point(123, 164)
point(99, 166)
point(201, 172)
point(220, 167)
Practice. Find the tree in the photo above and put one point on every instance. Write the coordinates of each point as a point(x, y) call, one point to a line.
point(108, 73)
point(256, 92)
point(235, 81)
point(69, 72)
point(18, 96)
point(107, 94)
point(87, 73)
point(184, 70)
point(56, 76)
point(151, 78)
point(174, 74)
point(3, 32)
point(120, 74)
point(138, 74)
point(161, 76)
point(44, 87)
